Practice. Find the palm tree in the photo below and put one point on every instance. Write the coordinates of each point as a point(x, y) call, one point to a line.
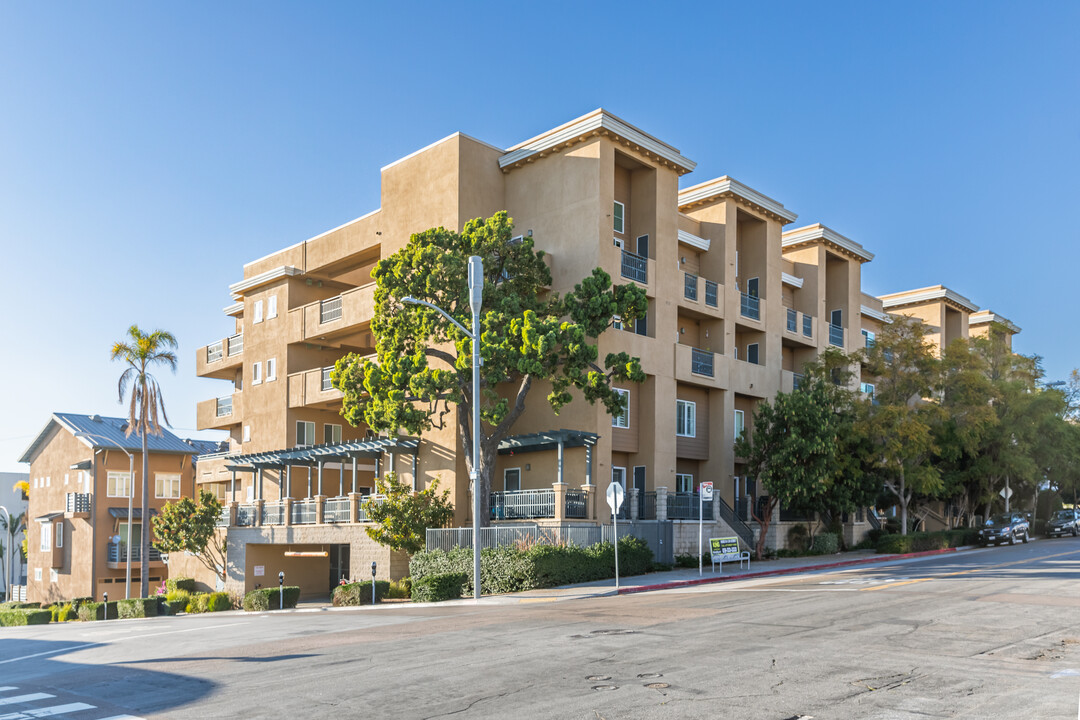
point(12, 526)
point(141, 352)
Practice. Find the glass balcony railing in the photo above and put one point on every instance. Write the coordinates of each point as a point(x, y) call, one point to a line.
point(750, 307)
point(635, 267)
point(807, 326)
point(701, 362)
point(792, 320)
point(690, 286)
point(711, 298)
point(326, 383)
point(236, 344)
point(224, 406)
point(215, 352)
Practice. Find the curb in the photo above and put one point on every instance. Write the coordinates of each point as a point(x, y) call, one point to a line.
point(784, 571)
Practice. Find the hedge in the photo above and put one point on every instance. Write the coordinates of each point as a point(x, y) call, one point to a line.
point(99, 611)
point(267, 598)
point(508, 569)
point(16, 605)
point(180, 583)
point(137, 607)
point(359, 593)
point(826, 544)
point(439, 587)
point(24, 616)
point(210, 602)
point(923, 541)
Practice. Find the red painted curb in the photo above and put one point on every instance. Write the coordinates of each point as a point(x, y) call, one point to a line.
point(784, 571)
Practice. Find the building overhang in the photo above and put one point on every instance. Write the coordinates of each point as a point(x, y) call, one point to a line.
point(49, 517)
point(986, 317)
point(598, 123)
point(238, 289)
point(234, 309)
point(818, 233)
point(922, 296)
point(316, 454)
point(121, 513)
point(694, 241)
point(726, 187)
point(550, 440)
point(875, 314)
point(788, 279)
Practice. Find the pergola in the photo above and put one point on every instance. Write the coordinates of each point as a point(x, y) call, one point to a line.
point(558, 440)
point(317, 456)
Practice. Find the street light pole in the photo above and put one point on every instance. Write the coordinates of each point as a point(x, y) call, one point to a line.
point(476, 296)
point(130, 497)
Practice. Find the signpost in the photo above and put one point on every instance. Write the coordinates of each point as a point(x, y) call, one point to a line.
point(615, 496)
point(704, 493)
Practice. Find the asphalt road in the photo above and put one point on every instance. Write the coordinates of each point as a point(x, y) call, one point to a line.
point(991, 633)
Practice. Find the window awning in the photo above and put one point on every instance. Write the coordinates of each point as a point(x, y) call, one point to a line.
point(330, 452)
point(83, 465)
point(122, 513)
point(48, 517)
point(550, 440)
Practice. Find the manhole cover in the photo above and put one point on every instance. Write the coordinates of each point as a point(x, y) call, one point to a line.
point(657, 686)
point(598, 678)
point(650, 675)
point(605, 687)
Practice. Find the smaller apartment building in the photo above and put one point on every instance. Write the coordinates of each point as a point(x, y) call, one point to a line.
point(78, 519)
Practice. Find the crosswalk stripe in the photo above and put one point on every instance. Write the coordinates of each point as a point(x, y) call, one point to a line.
point(47, 712)
point(24, 698)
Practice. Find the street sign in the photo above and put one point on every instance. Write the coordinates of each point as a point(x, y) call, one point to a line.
point(706, 490)
point(615, 495)
point(1006, 493)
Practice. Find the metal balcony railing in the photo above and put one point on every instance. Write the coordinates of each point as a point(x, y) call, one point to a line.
point(792, 320)
point(273, 513)
point(245, 515)
point(223, 518)
point(750, 307)
point(635, 267)
point(575, 505)
point(215, 352)
point(647, 506)
point(326, 384)
point(224, 406)
point(330, 310)
point(711, 294)
point(77, 502)
point(836, 335)
point(684, 506)
point(236, 344)
point(807, 326)
point(701, 362)
point(303, 512)
point(689, 286)
point(118, 553)
point(518, 504)
point(336, 510)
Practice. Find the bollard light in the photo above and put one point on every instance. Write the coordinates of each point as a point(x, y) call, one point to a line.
point(106, 596)
point(372, 582)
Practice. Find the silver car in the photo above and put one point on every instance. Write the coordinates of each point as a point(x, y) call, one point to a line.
point(1063, 522)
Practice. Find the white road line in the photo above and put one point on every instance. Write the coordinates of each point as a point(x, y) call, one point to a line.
point(24, 698)
point(122, 717)
point(49, 652)
point(48, 712)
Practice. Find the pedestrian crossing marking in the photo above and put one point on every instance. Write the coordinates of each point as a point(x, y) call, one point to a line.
point(47, 712)
point(24, 698)
point(53, 711)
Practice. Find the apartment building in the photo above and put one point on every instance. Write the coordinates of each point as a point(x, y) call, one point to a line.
point(80, 483)
point(738, 303)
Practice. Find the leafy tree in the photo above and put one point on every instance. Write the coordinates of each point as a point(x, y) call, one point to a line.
point(402, 517)
point(141, 352)
point(792, 450)
point(189, 526)
point(898, 429)
point(529, 336)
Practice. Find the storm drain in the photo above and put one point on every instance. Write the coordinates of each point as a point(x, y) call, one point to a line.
point(605, 687)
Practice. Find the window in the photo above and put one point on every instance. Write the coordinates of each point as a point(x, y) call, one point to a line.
point(622, 420)
point(118, 484)
point(618, 242)
point(616, 322)
point(512, 479)
point(641, 325)
point(271, 307)
point(46, 537)
point(836, 317)
point(256, 373)
point(868, 390)
point(258, 311)
point(740, 423)
point(48, 481)
point(752, 287)
point(53, 576)
point(685, 418)
point(271, 369)
point(643, 246)
point(639, 478)
point(684, 482)
point(247, 433)
point(305, 433)
point(167, 485)
point(618, 215)
point(59, 534)
point(37, 574)
point(331, 433)
point(752, 353)
point(868, 338)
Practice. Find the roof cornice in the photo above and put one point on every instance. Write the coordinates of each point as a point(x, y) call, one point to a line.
point(597, 123)
point(820, 233)
point(724, 187)
point(238, 289)
point(927, 294)
point(234, 309)
point(791, 280)
point(984, 317)
point(694, 241)
point(875, 314)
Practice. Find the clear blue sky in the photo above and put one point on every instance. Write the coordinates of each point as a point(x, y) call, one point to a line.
point(148, 150)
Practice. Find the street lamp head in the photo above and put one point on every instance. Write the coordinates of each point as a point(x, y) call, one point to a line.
point(476, 283)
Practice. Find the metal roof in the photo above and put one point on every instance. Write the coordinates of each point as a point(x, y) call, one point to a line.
point(328, 452)
point(536, 442)
point(107, 432)
point(48, 516)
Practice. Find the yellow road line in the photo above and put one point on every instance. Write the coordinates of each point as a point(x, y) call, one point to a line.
point(963, 572)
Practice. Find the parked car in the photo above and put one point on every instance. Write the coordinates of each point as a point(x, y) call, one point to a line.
point(1063, 522)
point(1006, 527)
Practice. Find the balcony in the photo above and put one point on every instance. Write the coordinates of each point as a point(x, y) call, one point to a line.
point(522, 504)
point(312, 388)
point(700, 294)
point(750, 306)
point(687, 506)
point(221, 412)
point(342, 319)
point(117, 555)
point(701, 362)
point(836, 335)
point(799, 326)
point(635, 267)
point(78, 503)
point(220, 359)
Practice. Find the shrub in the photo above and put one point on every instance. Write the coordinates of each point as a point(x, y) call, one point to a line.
point(267, 598)
point(68, 613)
point(24, 616)
point(400, 589)
point(78, 602)
point(218, 602)
point(686, 561)
point(176, 601)
point(439, 587)
point(15, 605)
point(923, 541)
point(359, 593)
point(826, 544)
point(798, 538)
point(137, 607)
point(180, 583)
point(98, 611)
